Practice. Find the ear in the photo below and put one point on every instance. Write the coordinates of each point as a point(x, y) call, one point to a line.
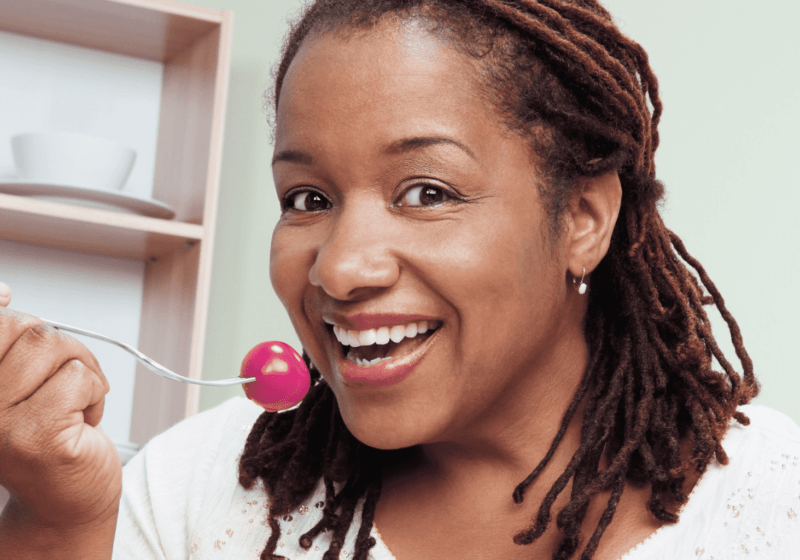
point(593, 211)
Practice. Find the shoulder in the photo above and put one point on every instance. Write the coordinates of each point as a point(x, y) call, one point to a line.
point(770, 425)
point(215, 421)
point(199, 439)
point(188, 451)
point(747, 508)
point(168, 485)
point(770, 437)
point(764, 454)
point(755, 499)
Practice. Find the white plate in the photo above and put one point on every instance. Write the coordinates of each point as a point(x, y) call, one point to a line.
point(117, 201)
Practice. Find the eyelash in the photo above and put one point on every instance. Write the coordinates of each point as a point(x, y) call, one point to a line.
point(287, 202)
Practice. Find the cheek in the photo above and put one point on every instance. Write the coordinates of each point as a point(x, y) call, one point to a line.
point(502, 281)
point(292, 255)
point(491, 265)
point(287, 269)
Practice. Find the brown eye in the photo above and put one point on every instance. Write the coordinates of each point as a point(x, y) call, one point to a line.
point(307, 201)
point(424, 195)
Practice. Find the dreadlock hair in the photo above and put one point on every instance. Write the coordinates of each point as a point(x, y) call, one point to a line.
point(563, 75)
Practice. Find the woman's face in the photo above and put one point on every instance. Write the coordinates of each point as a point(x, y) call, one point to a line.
point(406, 200)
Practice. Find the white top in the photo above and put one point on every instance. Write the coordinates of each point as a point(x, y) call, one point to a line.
point(181, 498)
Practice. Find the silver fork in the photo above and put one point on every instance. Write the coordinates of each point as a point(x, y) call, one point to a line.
point(151, 364)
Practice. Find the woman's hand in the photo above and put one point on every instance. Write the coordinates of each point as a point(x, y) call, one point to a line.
point(5, 295)
point(62, 470)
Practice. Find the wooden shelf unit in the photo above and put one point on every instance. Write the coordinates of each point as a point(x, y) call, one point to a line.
point(194, 45)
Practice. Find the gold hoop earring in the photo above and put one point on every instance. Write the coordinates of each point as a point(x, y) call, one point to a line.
point(582, 287)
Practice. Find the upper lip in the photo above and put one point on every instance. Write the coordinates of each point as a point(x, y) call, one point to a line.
point(364, 321)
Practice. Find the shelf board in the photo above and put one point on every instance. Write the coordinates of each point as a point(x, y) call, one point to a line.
point(92, 230)
point(153, 29)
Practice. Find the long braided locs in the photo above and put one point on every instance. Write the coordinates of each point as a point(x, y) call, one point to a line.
point(561, 73)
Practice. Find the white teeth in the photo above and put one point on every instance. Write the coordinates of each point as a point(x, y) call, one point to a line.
point(379, 336)
point(382, 336)
point(367, 338)
point(365, 363)
point(340, 336)
point(353, 339)
point(397, 333)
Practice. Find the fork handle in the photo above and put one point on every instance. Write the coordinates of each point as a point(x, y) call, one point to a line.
point(151, 364)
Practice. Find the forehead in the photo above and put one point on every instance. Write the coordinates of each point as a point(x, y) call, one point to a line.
point(392, 80)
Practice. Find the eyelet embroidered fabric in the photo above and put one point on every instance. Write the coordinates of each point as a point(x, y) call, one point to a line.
point(181, 499)
point(747, 509)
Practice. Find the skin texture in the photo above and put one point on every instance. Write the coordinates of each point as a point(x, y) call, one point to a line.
point(485, 403)
point(62, 470)
point(5, 294)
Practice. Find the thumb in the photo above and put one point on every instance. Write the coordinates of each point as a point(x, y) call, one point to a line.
point(5, 295)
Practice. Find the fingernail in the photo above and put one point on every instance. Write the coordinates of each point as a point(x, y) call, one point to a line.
point(5, 290)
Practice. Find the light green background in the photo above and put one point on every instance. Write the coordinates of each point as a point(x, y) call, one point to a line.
point(729, 77)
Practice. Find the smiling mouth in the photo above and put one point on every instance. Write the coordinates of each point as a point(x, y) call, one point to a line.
point(370, 347)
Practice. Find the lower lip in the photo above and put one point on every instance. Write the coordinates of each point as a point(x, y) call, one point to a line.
point(387, 372)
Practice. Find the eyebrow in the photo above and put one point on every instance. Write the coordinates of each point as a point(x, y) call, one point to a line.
point(403, 145)
point(292, 156)
point(419, 142)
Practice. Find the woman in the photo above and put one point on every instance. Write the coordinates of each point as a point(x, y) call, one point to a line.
point(500, 327)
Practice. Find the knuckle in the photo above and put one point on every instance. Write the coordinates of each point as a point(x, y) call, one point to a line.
point(12, 317)
point(42, 334)
point(75, 373)
point(39, 331)
point(73, 366)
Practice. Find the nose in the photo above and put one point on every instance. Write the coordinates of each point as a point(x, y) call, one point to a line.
point(357, 257)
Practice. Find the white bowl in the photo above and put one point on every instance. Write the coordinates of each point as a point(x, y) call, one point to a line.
point(66, 158)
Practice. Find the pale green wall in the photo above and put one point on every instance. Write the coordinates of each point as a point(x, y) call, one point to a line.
point(729, 72)
point(243, 309)
point(729, 76)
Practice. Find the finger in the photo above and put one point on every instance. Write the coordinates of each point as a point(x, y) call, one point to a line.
point(94, 365)
point(93, 412)
point(36, 355)
point(79, 390)
point(12, 324)
point(5, 294)
point(92, 362)
point(64, 400)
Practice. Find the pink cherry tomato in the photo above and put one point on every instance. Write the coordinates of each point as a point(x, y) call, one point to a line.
point(282, 378)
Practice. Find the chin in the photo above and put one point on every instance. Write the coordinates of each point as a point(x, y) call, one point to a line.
point(382, 428)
